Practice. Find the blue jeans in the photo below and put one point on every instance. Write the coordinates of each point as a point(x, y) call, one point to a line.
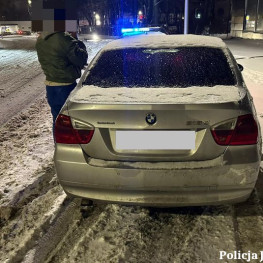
point(56, 97)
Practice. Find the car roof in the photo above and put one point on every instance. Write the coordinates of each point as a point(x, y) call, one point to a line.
point(165, 41)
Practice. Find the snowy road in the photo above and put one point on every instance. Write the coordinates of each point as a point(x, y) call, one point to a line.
point(39, 224)
point(20, 74)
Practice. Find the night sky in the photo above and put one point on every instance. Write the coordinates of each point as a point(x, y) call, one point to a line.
point(14, 10)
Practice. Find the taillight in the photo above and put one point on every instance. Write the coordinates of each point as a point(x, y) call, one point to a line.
point(65, 133)
point(240, 131)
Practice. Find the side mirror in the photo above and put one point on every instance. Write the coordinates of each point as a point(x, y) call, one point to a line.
point(240, 67)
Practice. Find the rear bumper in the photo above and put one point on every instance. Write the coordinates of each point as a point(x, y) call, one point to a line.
point(192, 197)
point(162, 184)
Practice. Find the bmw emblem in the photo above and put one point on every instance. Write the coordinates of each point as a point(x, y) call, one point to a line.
point(151, 118)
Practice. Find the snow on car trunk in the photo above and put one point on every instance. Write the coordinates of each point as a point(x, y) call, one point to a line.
point(162, 95)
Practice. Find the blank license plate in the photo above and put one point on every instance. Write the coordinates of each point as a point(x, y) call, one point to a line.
point(155, 140)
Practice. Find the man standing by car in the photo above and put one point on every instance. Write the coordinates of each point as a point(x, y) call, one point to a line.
point(62, 57)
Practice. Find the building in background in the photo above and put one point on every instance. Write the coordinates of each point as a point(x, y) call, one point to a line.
point(209, 17)
point(15, 27)
point(237, 18)
point(247, 19)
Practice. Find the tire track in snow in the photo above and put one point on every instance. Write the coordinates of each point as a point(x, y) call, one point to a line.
point(162, 234)
point(21, 98)
point(212, 233)
point(142, 235)
point(17, 68)
point(20, 233)
point(91, 240)
point(66, 219)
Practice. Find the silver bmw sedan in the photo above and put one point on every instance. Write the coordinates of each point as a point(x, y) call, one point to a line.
point(160, 121)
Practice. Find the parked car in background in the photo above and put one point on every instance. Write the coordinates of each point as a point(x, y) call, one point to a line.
point(8, 29)
point(160, 121)
point(22, 32)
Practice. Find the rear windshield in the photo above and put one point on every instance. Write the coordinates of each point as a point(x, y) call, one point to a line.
point(180, 67)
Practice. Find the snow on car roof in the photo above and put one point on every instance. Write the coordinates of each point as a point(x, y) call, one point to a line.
point(165, 41)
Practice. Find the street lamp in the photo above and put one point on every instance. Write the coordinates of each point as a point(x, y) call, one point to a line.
point(186, 8)
point(29, 5)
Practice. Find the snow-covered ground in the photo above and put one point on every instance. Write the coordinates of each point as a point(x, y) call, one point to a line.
point(39, 224)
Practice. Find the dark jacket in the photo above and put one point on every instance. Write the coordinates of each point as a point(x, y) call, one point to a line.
point(61, 56)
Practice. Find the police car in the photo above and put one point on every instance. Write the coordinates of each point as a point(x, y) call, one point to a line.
point(125, 32)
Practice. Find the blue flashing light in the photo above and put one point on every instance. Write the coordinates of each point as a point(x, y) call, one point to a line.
point(134, 31)
point(145, 29)
point(126, 30)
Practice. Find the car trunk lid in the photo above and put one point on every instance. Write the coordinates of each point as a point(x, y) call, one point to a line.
point(186, 113)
